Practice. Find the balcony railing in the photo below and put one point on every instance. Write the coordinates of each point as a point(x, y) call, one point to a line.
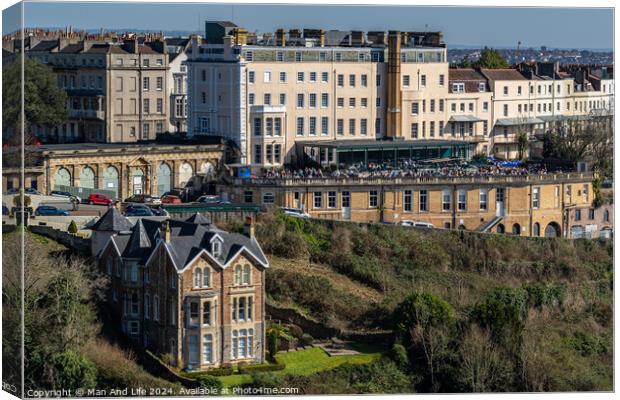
point(87, 114)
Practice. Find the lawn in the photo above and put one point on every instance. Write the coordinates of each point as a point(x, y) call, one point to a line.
point(308, 362)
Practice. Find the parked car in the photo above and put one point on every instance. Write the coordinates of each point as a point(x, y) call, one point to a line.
point(295, 212)
point(50, 210)
point(5, 210)
point(67, 195)
point(170, 199)
point(415, 224)
point(139, 212)
point(143, 198)
point(12, 191)
point(209, 199)
point(32, 191)
point(99, 199)
point(153, 210)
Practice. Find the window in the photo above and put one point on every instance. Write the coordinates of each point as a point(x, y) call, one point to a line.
point(282, 99)
point(606, 216)
point(519, 91)
point(423, 81)
point(364, 80)
point(277, 152)
point(577, 215)
point(407, 201)
point(258, 127)
point(341, 80)
point(251, 76)
point(363, 126)
point(351, 126)
point(258, 156)
point(485, 106)
point(318, 199)
point(324, 126)
point(484, 199)
point(338, 56)
point(277, 126)
point(197, 278)
point(312, 76)
point(442, 79)
point(193, 349)
point(346, 199)
point(482, 87)
point(505, 110)
point(331, 199)
point(591, 213)
point(432, 105)
point(282, 77)
point(446, 200)
point(269, 126)
point(249, 56)
point(406, 80)
point(267, 76)
point(300, 77)
point(312, 124)
point(242, 343)
point(373, 198)
point(324, 100)
point(414, 130)
point(505, 90)
point(300, 100)
point(248, 196)
point(423, 200)
point(146, 106)
point(322, 56)
point(535, 197)
point(207, 349)
point(267, 99)
point(324, 77)
point(280, 56)
point(340, 126)
point(340, 102)
point(462, 200)
point(300, 126)
point(145, 83)
point(159, 83)
point(352, 80)
point(312, 100)
point(352, 102)
point(458, 87)
point(160, 106)
point(415, 108)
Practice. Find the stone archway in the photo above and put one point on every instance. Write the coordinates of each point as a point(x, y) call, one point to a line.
point(501, 228)
point(110, 179)
point(137, 183)
point(164, 179)
point(87, 178)
point(62, 177)
point(516, 229)
point(553, 230)
point(536, 229)
point(185, 173)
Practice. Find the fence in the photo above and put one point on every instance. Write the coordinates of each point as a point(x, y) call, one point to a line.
point(84, 192)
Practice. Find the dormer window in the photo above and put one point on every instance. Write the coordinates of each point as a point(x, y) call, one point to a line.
point(482, 87)
point(458, 87)
point(216, 249)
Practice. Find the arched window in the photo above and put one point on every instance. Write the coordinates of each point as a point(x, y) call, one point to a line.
point(238, 274)
point(247, 274)
point(500, 228)
point(536, 229)
point(197, 277)
point(516, 229)
point(206, 278)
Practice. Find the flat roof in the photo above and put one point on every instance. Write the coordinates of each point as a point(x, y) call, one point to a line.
point(383, 144)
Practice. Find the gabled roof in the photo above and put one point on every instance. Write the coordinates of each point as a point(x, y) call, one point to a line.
point(45, 45)
point(112, 220)
point(139, 244)
point(199, 219)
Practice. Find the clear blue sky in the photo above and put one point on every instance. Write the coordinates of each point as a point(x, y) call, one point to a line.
point(499, 27)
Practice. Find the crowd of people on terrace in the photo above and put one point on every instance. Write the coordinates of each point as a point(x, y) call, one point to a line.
point(412, 169)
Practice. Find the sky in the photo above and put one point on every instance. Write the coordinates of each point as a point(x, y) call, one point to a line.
point(590, 28)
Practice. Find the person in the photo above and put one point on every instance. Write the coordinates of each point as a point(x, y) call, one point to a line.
point(75, 204)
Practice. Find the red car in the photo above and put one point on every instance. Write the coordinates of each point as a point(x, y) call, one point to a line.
point(99, 199)
point(170, 199)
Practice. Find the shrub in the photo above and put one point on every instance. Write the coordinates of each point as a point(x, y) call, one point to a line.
point(261, 368)
point(166, 359)
point(73, 370)
point(295, 330)
point(210, 382)
point(398, 354)
point(72, 229)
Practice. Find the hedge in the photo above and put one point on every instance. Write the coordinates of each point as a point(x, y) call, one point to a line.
point(225, 371)
point(262, 368)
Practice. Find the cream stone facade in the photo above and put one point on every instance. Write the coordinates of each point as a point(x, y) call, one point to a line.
point(534, 205)
point(272, 92)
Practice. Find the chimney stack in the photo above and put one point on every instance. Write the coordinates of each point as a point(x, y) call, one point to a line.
point(241, 36)
point(281, 37)
point(167, 231)
point(248, 227)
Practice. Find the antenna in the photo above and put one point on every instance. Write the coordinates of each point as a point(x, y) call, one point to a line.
point(518, 50)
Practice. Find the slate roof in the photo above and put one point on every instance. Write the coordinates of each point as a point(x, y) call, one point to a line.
point(503, 74)
point(45, 45)
point(468, 76)
point(187, 240)
point(112, 220)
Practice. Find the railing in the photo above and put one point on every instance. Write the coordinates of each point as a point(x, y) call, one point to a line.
point(374, 181)
point(90, 114)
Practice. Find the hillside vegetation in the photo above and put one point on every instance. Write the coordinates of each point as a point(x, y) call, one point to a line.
point(517, 314)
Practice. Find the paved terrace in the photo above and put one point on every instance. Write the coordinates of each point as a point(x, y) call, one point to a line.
point(531, 179)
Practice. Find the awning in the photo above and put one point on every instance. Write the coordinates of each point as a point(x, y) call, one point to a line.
point(518, 121)
point(464, 118)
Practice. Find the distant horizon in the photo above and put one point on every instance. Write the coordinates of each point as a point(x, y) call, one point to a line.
point(183, 32)
point(468, 26)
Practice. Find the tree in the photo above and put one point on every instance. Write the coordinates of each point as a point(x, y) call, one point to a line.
point(522, 143)
point(491, 59)
point(73, 371)
point(423, 321)
point(466, 63)
point(73, 229)
point(45, 103)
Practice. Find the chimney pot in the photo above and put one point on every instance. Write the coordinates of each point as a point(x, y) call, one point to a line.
point(248, 227)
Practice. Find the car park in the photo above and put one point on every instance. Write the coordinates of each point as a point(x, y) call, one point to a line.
point(50, 210)
point(63, 194)
point(143, 198)
point(99, 199)
point(295, 212)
